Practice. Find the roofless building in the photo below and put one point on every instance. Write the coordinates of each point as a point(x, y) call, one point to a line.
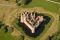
point(31, 20)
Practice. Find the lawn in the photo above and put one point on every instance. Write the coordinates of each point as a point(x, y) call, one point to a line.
point(56, 0)
point(4, 11)
point(15, 23)
point(43, 3)
point(47, 26)
point(35, 3)
point(5, 36)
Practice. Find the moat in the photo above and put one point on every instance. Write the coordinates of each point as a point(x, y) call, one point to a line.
point(38, 30)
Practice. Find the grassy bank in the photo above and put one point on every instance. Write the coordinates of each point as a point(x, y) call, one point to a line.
point(47, 26)
point(43, 3)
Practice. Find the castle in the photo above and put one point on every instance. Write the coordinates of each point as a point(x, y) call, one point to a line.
point(31, 20)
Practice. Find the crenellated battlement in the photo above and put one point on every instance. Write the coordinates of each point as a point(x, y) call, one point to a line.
point(31, 20)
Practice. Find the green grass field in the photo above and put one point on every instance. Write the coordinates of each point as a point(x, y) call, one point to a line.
point(43, 3)
point(5, 36)
point(15, 23)
point(56, 0)
point(52, 7)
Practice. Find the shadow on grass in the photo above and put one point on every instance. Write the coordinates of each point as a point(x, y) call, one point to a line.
point(38, 30)
point(27, 2)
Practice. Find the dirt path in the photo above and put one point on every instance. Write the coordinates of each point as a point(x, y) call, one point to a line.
point(53, 1)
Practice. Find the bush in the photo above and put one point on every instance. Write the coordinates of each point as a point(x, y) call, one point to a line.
point(1, 24)
point(21, 37)
point(23, 2)
point(6, 28)
point(54, 37)
point(10, 29)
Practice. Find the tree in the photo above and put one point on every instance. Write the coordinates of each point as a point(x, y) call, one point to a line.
point(54, 37)
point(21, 37)
point(10, 29)
point(6, 28)
point(18, 2)
point(23, 2)
point(1, 24)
